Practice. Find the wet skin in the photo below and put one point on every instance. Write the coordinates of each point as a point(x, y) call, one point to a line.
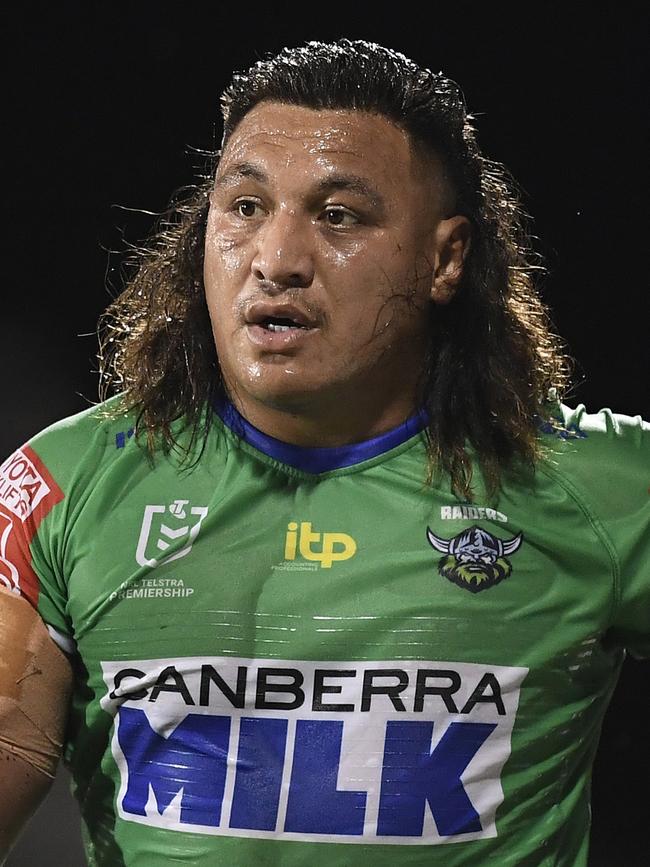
point(328, 238)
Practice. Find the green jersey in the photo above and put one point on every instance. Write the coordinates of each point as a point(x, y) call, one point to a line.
point(293, 656)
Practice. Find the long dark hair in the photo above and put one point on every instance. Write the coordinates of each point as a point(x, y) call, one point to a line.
point(494, 358)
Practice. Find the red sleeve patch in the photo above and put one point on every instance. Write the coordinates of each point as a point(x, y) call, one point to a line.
point(28, 493)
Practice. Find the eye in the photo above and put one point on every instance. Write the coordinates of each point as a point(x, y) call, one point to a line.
point(246, 208)
point(338, 216)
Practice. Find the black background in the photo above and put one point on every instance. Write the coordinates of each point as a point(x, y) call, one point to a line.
point(103, 104)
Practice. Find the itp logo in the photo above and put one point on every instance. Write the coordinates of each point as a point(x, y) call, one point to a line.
point(334, 546)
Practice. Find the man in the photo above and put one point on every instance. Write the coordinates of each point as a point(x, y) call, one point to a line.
point(335, 575)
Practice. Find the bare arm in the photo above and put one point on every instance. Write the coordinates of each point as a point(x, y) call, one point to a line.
point(21, 790)
point(35, 688)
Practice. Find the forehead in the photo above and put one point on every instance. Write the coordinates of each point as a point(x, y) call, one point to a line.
point(290, 136)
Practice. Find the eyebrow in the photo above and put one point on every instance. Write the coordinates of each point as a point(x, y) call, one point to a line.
point(239, 171)
point(336, 181)
point(352, 183)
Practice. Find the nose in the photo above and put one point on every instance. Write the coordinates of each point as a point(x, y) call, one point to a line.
point(284, 256)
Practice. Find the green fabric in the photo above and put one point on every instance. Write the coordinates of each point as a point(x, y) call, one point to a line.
point(518, 641)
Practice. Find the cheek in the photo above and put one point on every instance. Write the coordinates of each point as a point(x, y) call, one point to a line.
point(346, 256)
point(376, 284)
point(225, 256)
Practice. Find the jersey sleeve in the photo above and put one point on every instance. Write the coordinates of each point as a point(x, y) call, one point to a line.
point(610, 461)
point(28, 495)
point(42, 488)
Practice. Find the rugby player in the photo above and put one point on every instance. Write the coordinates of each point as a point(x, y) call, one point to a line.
point(334, 574)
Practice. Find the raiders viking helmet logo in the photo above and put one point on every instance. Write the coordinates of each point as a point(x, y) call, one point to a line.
point(475, 559)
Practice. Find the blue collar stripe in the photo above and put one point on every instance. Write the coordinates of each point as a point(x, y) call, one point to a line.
point(318, 459)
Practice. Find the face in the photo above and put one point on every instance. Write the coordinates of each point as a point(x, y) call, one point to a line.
point(326, 244)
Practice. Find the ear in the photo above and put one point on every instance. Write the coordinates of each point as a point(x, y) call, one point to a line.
point(452, 238)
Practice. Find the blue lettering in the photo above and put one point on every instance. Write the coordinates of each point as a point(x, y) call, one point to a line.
point(315, 805)
point(193, 758)
point(413, 776)
point(192, 762)
point(260, 761)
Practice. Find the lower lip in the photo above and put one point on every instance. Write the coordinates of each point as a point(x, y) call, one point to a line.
point(276, 341)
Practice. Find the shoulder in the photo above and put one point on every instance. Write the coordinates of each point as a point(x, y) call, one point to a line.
point(37, 484)
point(98, 420)
point(97, 445)
point(567, 423)
point(605, 455)
point(92, 435)
point(603, 432)
point(70, 451)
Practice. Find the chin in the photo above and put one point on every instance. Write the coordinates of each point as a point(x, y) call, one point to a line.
point(289, 392)
point(294, 400)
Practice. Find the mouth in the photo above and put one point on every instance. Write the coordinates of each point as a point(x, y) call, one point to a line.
point(278, 326)
point(278, 316)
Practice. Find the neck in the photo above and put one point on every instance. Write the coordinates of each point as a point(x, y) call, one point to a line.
point(328, 424)
point(317, 460)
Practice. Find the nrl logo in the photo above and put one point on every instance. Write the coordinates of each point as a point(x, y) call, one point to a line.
point(157, 537)
point(475, 559)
